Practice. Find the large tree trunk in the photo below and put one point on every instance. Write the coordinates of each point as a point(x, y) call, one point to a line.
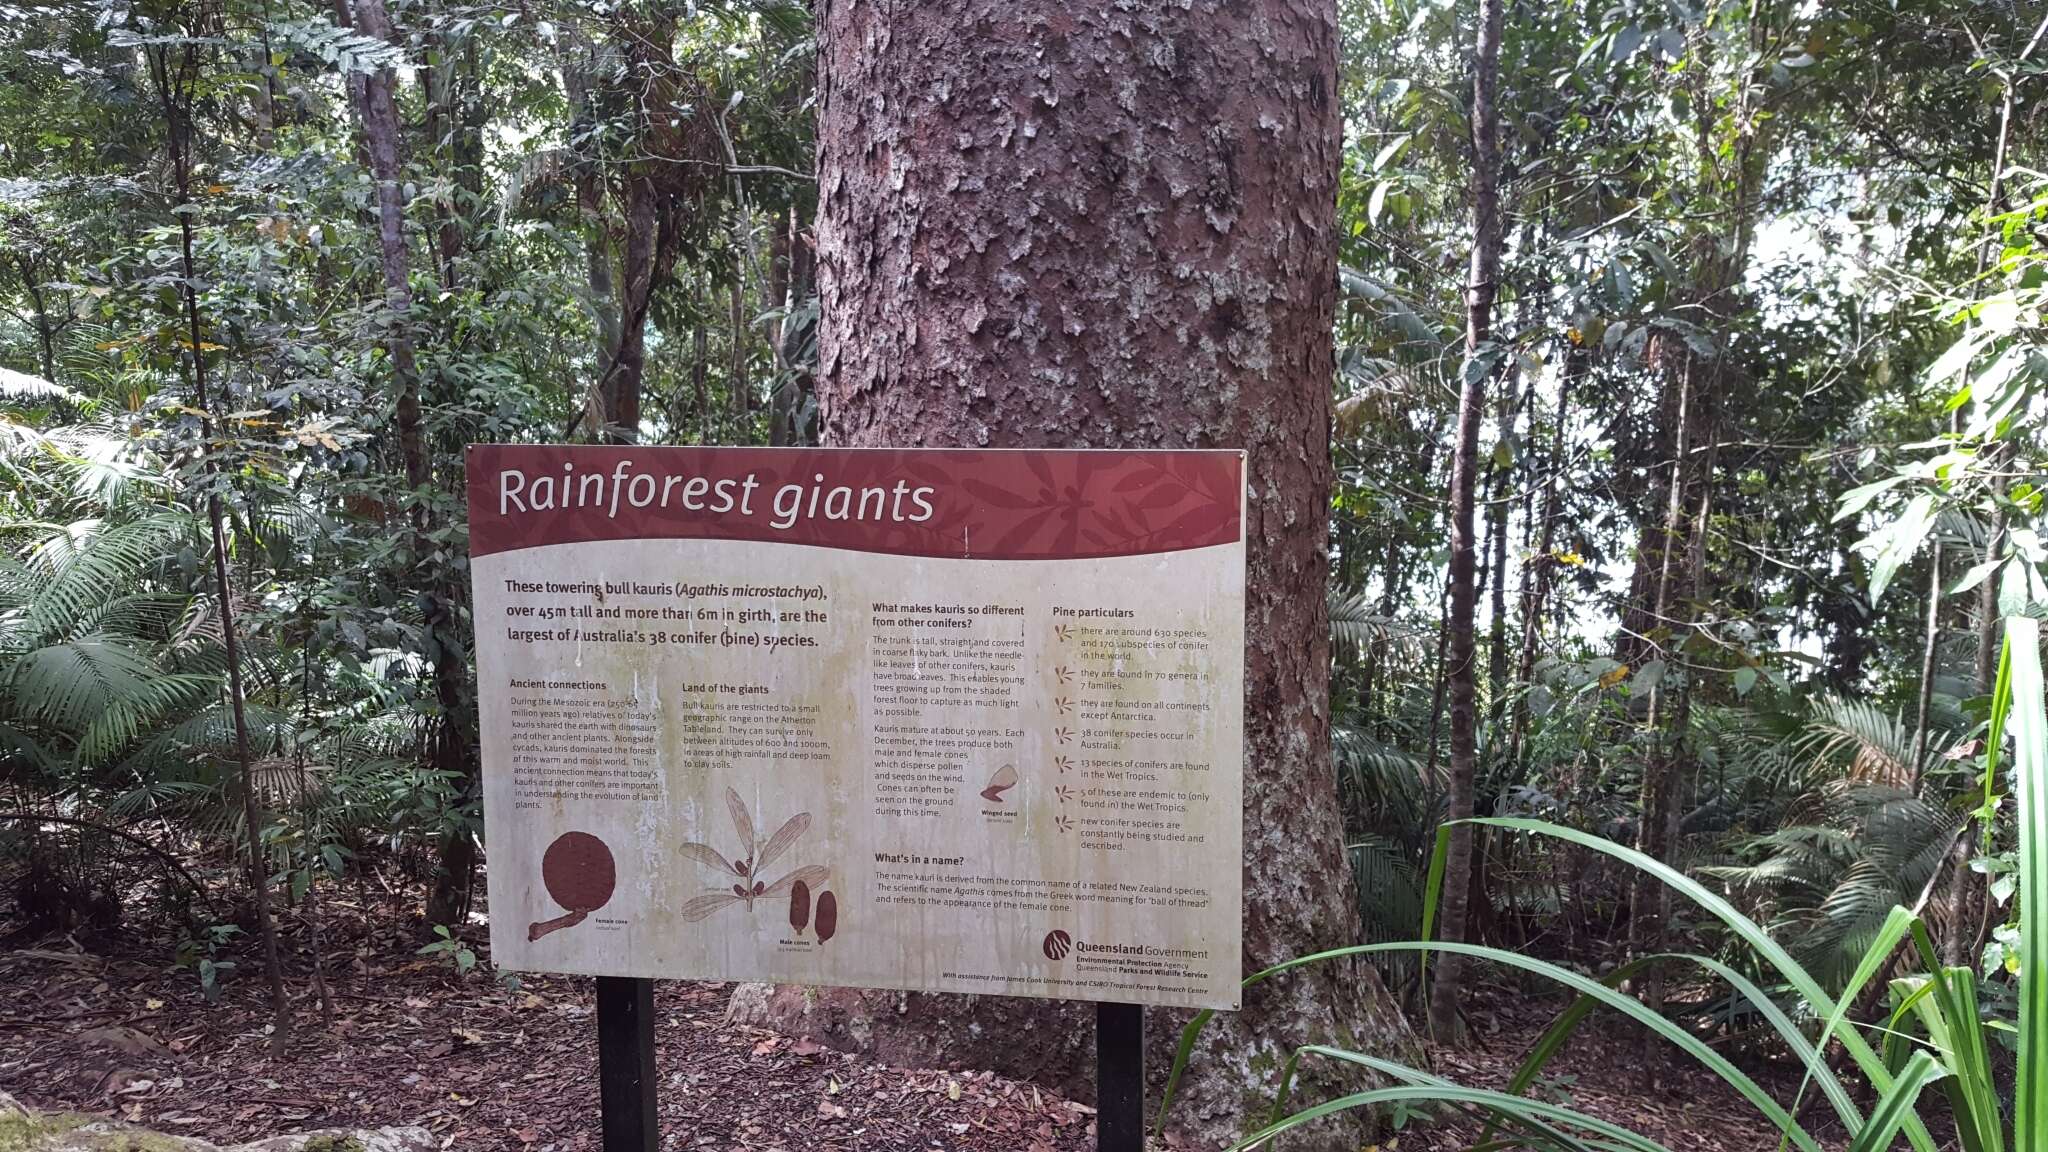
point(1050, 226)
point(1483, 280)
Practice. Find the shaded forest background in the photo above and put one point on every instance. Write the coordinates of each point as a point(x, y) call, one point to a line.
point(1756, 474)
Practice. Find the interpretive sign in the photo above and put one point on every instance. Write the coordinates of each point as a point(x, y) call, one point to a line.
point(965, 721)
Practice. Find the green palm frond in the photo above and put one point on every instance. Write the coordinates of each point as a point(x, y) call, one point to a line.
point(1389, 889)
point(90, 562)
point(1371, 768)
point(1834, 881)
point(126, 720)
point(68, 685)
point(1857, 738)
point(141, 616)
point(1355, 627)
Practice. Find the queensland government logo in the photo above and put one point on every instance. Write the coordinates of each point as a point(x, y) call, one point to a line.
point(1057, 944)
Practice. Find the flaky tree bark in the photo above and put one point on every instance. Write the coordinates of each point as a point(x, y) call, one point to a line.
point(1480, 285)
point(1055, 226)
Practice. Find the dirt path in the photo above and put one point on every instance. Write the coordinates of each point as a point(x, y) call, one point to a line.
point(482, 1065)
point(488, 1066)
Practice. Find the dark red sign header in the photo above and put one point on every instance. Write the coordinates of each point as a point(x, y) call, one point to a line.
point(1025, 504)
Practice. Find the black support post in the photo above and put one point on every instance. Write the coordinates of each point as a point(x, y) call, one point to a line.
point(626, 1083)
point(1119, 1078)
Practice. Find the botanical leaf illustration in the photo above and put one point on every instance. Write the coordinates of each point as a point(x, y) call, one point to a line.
point(702, 906)
point(742, 822)
point(813, 875)
point(710, 857)
point(792, 829)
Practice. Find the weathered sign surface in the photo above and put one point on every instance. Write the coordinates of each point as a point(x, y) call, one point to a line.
point(947, 720)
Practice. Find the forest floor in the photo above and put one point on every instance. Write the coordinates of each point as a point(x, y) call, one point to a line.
point(117, 1030)
point(486, 1066)
point(1605, 1072)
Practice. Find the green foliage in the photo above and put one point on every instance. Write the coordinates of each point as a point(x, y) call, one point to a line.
point(447, 944)
point(520, 133)
point(1952, 1049)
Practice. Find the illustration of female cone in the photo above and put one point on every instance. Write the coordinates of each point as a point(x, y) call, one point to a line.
point(580, 875)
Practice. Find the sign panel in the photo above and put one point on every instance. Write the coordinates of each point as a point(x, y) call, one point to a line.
point(963, 721)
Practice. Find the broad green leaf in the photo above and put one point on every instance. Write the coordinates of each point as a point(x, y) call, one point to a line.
point(1953, 360)
point(1894, 544)
point(1859, 498)
point(1745, 680)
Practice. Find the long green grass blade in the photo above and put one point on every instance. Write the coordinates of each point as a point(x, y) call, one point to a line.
point(1432, 891)
point(1897, 1104)
point(1539, 1134)
point(1439, 1094)
point(1628, 1005)
point(1994, 745)
point(1182, 1049)
point(1773, 953)
point(1560, 1031)
point(1897, 924)
point(2030, 764)
point(1954, 1028)
point(1907, 992)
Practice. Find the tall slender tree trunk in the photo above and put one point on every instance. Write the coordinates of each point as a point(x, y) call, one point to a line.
point(1185, 154)
point(1930, 653)
point(1480, 286)
point(175, 82)
point(1506, 477)
point(741, 395)
point(46, 330)
point(625, 382)
point(775, 299)
point(1536, 576)
point(699, 387)
point(586, 175)
point(1439, 681)
point(645, 39)
point(1370, 700)
point(452, 748)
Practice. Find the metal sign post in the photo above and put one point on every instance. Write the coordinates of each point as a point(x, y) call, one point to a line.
point(626, 1082)
point(1119, 1077)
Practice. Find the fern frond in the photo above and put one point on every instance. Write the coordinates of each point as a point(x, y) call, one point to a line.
point(1354, 626)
